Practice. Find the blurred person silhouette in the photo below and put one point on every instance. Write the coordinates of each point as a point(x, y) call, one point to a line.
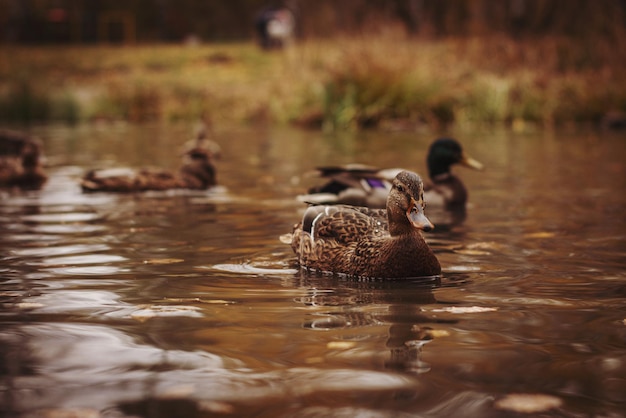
point(275, 27)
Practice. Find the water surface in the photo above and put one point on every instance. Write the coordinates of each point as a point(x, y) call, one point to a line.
point(189, 304)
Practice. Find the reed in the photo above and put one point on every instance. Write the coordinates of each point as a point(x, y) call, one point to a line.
point(24, 102)
point(339, 84)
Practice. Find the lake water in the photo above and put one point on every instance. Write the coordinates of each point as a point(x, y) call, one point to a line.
point(189, 304)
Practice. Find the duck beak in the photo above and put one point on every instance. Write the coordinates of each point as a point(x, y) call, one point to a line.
point(416, 216)
point(468, 161)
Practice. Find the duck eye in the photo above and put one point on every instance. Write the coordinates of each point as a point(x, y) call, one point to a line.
point(400, 188)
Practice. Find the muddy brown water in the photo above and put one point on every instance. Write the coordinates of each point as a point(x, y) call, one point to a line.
point(189, 304)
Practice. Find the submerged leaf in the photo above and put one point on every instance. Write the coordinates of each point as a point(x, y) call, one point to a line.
point(438, 333)
point(149, 312)
point(340, 345)
point(479, 248)
point(29, 305)
point(163, 261)
point(528, 403)
point(472, 252)
point(68, 413)
point(285, 238)
point(541, 234)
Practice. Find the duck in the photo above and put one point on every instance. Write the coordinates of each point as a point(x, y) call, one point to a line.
point(445, 188)
point(361, 242)
point(363, 185)
point(21, 161)
point(197, 173)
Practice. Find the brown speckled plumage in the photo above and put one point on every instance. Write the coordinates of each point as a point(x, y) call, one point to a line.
point(20, 161)
point(362, 242)
point(198, 172)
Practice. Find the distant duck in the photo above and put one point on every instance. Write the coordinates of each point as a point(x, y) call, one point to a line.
point(20, 161)
point(369, 243)
point(445, 189)
point(361, 185)
point(198, 173)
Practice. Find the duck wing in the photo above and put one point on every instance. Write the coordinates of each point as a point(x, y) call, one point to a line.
point(344, 177)
point(352, 184)
point(344, 224)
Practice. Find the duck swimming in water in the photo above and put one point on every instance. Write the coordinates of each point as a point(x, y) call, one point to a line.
point(445, 188)
point(197, 173)
point(362, 185)
point(369, 243)
point(20, 161)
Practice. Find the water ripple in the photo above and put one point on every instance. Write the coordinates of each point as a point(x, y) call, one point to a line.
point(80, 259)
point(140, 367)
point(59, 250)
point(67, 229)
point(61, 217)
point(87, 271)
point(246, 268)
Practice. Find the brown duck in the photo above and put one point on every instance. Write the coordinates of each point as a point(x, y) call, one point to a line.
point(197, 172)
point(361, 242)
point(20, 161)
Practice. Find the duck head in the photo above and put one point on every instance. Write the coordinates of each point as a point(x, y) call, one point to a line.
point(445, 152)
point(405, 204)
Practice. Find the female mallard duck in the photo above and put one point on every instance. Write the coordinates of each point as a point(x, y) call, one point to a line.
point(198, 172)
point(20, 161)
point(359, 242)
point(361, 185)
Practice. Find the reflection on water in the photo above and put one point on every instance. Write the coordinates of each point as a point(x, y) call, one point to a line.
point(189, 304)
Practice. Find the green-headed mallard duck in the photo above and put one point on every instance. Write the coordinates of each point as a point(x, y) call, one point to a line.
point(20, 161)
point(361, 242)
point(362, 185)
point(445, 189)
point(198, 172)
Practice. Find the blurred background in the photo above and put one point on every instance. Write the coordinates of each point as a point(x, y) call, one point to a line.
point(348, 64)
point(90, 21)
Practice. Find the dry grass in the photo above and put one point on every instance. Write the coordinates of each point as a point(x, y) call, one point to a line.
point(339, 84)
